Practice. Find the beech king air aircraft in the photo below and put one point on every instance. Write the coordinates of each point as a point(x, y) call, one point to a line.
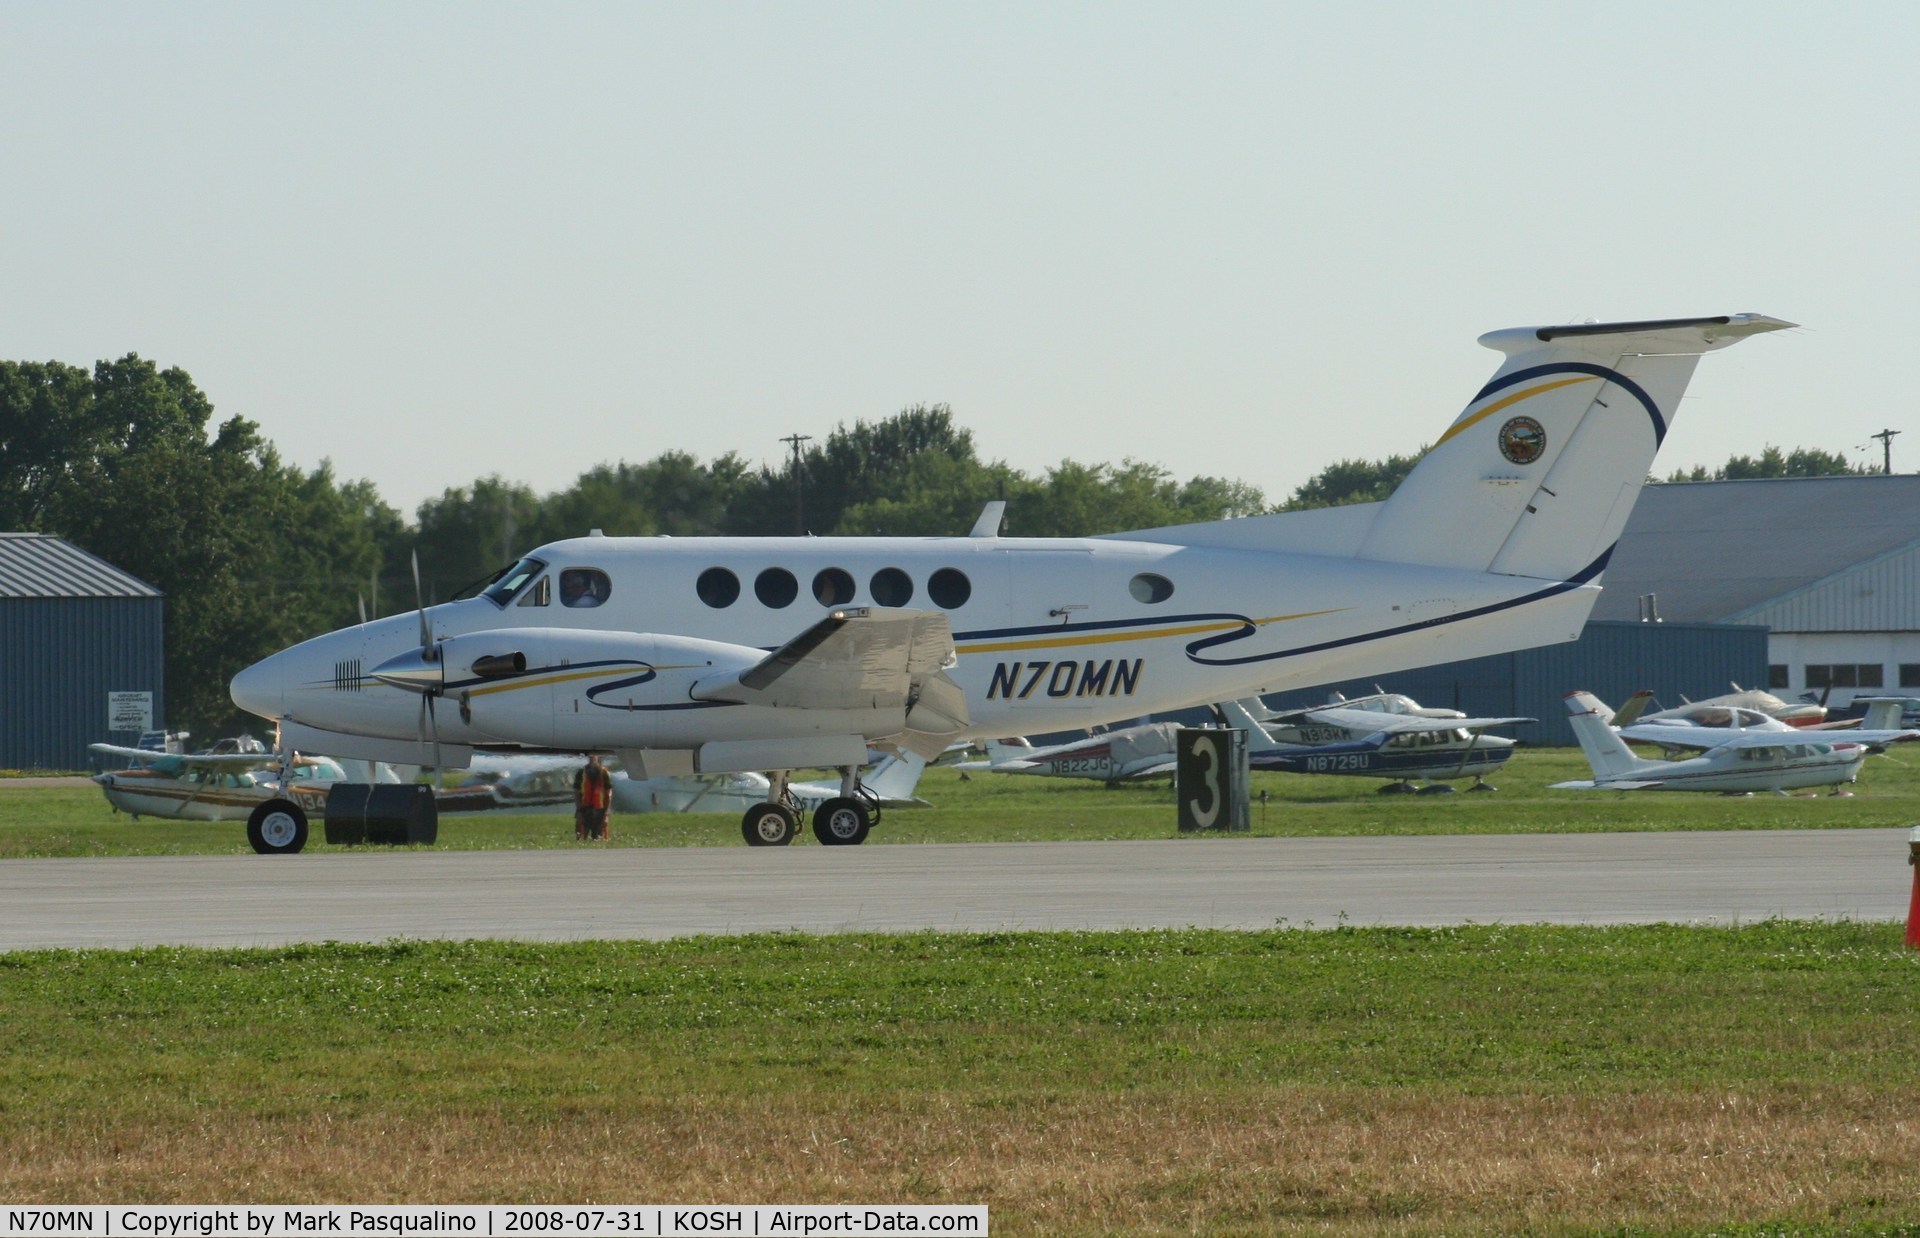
point(715, 655)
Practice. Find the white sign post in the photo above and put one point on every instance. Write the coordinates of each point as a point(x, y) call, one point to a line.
point(130, 711)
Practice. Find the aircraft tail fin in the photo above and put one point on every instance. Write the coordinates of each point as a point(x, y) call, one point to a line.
point(1539, 473)
point(1635, 706)
point(1003, 751)
point(1592, 724)
point(1239, 716)
point(895, 776)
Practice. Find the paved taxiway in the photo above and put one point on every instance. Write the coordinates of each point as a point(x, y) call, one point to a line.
point(1220, 882)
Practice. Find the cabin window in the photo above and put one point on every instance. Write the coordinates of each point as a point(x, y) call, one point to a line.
point(511, 581)
point(1151, 588)
point(718, 587)
point(584, 586)
point(540, 595)
point(949, 588)
point(833, 587)
point(892, 587)
point(776, 587)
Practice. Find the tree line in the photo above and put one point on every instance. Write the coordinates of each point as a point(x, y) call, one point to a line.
point(127, 462)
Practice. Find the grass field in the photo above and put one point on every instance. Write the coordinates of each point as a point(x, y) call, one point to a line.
point(67, 821)
point(1418, 1081)
point(1756, 1080)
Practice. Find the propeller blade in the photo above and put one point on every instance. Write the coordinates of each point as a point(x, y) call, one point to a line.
point(426, 630)
point(361, 598)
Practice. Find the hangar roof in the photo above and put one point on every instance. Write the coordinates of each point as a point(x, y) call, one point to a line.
point(38, 565)
point(1713, 549)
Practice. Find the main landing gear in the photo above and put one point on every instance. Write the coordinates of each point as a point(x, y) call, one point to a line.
point(843, 821)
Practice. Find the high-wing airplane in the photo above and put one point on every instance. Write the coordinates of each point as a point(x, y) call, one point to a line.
point(1773, 758)
point(717, 655)
point(1400, 745)
point(232, 781)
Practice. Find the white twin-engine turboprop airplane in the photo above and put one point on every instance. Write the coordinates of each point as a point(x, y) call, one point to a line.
point(710, 655)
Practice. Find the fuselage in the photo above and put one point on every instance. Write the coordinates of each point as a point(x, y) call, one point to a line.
point(1790, 766)
point(1050, 634)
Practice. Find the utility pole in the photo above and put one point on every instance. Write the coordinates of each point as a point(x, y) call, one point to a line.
point(799, 485)
point(1886, 443)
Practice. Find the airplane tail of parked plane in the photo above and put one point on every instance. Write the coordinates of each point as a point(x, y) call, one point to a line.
point(1592, 724)
point(1239, 716)
point(894, 777)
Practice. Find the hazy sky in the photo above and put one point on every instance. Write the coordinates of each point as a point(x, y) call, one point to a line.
point(434, 242)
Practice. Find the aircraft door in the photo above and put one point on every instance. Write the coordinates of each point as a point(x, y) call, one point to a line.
point(1049, 665)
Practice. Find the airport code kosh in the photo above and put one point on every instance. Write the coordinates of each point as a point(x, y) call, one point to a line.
point(574, 1221)
point(1017, 681)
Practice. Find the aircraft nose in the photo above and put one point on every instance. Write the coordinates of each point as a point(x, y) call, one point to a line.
point(261, 689)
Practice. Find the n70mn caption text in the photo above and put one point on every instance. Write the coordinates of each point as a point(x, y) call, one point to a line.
point(550, 1221)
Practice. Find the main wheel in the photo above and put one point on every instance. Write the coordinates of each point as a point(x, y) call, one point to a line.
point(841, 822)
point(769, 825)
point(277, 827)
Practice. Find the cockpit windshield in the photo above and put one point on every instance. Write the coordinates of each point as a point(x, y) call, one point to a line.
point(501, 591)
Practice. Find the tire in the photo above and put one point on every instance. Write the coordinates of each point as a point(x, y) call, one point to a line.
point(277, 827)
point(841, 822)
point(769, 825)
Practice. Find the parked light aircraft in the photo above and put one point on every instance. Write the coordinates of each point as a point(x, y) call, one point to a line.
point(1731, 759)
point(1123, 754)
point(1719, 710)
point(232, 781)
point(1396, 743)
point(705, 655)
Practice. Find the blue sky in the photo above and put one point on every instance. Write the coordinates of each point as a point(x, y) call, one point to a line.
point(438, 241)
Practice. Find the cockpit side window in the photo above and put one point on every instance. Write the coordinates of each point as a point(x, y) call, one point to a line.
point(501, 591)
point(584, 586)
point(540, 595)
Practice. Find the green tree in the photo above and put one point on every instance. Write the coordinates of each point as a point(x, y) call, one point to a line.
point(1773, 462)
point(251, 554)
point(1352, 481)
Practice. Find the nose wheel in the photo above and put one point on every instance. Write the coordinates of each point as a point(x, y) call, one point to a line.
point(277, 827)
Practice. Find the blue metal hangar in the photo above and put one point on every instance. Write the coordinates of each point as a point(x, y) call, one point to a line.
point(81, 654)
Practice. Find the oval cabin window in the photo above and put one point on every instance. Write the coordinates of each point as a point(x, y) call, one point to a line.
point(949, 588)
point(833, 587)
point(892, 587)
point(776, 587)
point(718, 587)
point(1150, 588)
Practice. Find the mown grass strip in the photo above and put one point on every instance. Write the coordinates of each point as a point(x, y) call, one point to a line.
point(1004, 808)
point(1485, 1078)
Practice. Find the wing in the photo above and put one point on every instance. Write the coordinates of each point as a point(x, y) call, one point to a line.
point(1586, 785)
point(226, 761)
point(861, 658)
point(1402, 724)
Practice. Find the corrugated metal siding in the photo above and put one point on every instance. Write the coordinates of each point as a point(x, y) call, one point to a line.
point(1712, 549)
point(59, 658)
point(1611, 660)
point(1881, 595)
point(36, 565)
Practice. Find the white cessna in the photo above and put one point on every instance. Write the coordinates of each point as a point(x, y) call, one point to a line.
point(710, 655)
